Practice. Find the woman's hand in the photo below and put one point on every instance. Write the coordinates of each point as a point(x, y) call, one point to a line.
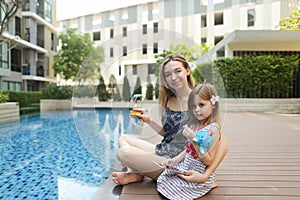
point(144, 116)
point(192, 176)
point(188, 132)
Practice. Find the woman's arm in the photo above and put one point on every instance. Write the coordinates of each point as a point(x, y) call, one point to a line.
point(145, 117)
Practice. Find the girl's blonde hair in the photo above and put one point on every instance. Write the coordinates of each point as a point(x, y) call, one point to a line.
point(205, 91)
point(164, 91)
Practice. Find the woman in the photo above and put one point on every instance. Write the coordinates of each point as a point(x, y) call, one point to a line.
point(176, 82)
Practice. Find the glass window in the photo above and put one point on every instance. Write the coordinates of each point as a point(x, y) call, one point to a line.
point(111, 33)
point(251, 17)
point(134, 69)
point(124, 51)
point(155, 47)
point(144, 48)
point(111, 52)
point(125, 31)
point(155, 27)
point(144, 29)
point(203, 21)
point(4, 86)
point(4, 55)
point(219, 18)
point(48, 12)
point(96, 36)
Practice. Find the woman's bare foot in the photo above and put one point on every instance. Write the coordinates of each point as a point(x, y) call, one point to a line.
point(215, 184)
point(123, 178)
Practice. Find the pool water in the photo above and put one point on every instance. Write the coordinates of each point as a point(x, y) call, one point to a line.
point(59, 155)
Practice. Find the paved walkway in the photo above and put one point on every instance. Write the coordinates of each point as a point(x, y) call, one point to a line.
point(263, 161)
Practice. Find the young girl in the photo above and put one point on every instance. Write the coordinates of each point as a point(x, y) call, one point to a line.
point(204, 115)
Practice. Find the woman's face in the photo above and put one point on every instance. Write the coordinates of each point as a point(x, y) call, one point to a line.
point(202, 109)
point(176, 75)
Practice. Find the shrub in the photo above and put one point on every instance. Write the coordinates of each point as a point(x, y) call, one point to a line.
point(53, 91)
point(3, 97)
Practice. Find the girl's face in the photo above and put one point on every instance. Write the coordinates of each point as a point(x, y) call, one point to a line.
point(202, 109)
point(176, 75)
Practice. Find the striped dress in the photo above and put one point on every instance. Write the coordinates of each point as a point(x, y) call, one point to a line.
point(173, 187)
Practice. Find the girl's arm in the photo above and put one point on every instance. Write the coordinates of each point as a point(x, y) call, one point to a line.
point(194, 176)
point(208, 157)
point(170, 162)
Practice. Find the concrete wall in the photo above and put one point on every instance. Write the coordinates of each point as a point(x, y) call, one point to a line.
point(9, 111)
point(55, 104)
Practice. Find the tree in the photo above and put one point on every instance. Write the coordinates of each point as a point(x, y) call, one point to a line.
point(149, 91)
point(77, 53)
point(137, 87)
point(8, 9)
point(114, 89)
point(102, 93)
point(190, 53)
point(126, 89)
point(292, 22)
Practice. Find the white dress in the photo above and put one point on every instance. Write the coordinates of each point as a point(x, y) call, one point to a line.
point(173, 187)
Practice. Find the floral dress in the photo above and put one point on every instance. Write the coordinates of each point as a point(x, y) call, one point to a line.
point(173, 187)
point(173, 141)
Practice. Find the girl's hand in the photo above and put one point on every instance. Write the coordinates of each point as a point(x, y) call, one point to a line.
point(188, 132)
point(144, 116)
point(169, 163)
point(192, 176)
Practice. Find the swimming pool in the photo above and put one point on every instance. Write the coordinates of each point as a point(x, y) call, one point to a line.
point(61, 154)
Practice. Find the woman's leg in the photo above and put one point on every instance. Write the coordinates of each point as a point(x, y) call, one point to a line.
point(140, 163)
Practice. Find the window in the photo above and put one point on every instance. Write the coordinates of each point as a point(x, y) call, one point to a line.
point(124, 51)
point(111, 33)
point(111, 52)
point(151, 69)
point(155, 47)
point(124, 31)
point(120, 70)
point(218, 39)
point(203, 21)
point(144, 48)
point(53, 46)
point(4, 55)
point(203, 40)
point(155, 27)
point(219, 18)
point(96, 36)
point(16, 60)
point(134, 69)
point(18, 26)
point(251, 17)
point(48, 12)
point(97, 19)
point(144, 29)
point(11, 86)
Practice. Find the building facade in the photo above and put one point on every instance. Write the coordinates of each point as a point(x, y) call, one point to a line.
point(133, 35)
point(28, 46)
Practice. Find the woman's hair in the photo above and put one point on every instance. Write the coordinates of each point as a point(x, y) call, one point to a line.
point(164, 91)
point(204, 91)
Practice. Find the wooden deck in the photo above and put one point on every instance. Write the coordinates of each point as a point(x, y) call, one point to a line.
point(263, 161)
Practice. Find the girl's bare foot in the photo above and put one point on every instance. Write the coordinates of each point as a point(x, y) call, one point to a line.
point(123, 178)
point(215, 184)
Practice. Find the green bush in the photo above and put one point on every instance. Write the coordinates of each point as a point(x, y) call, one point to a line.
point(266, 76)
point(3, 97)
point(53, 91)
point(25, 99)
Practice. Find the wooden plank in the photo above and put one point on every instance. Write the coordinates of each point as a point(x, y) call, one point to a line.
point(266, 191)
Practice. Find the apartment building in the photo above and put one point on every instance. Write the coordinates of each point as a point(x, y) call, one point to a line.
point(28, 46)
point(134, 34)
